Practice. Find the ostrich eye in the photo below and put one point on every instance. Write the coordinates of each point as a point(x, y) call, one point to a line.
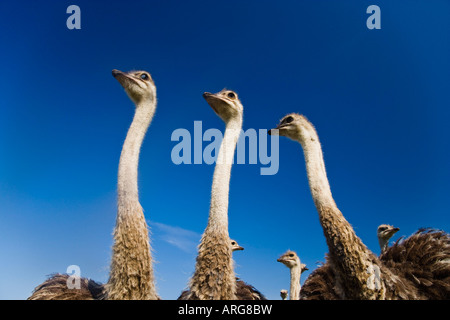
point(289, 119)
point(231, 95)
point(144, 76)
point(233, 243)
point(291, 255)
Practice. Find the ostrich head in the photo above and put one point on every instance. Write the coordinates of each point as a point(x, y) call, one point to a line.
point(283, 294)
point(290, 259)
point(385, 232)
point(138, 85)
point(235, 246)
point(295, 127)
point(225, 103)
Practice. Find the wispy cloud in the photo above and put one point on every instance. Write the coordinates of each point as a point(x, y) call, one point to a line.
point(183, 239)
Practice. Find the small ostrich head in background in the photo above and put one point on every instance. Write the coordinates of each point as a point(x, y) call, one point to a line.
point(384, 233)
point(290, 259)
point(235, 246)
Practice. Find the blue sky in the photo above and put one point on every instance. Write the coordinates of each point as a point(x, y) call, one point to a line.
point(378, 99)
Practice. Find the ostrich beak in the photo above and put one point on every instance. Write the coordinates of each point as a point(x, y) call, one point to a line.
point(124, 78)
point(209, 97)
point(207, 94)
point(274, 132)
point(116, 72)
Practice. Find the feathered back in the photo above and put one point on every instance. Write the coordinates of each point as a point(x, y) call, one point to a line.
point(320, 285)
point(55, 288)
point(244, 291)
point(424, 260)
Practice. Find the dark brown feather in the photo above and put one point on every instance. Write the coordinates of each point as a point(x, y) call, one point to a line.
point(244, 291)
point(55, 288)
point(419, 267)
point(424, 260)
point(320, 285)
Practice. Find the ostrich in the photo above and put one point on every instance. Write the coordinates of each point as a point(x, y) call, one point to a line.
point(353, 271)
point(213, 278)
point(131, 271)
point(235, 246)
point(283, 294)
point(291, 260)
point(384, 233)
point(356, 268)
point(244, 291)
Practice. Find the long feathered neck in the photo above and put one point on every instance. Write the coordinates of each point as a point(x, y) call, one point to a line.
point(357, 272)
point(131, 273)
point(214, 275)
point(218, 212)
point(294, 292)
point(127, 186)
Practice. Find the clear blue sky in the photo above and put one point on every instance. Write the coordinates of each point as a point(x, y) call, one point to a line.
point(378, 98)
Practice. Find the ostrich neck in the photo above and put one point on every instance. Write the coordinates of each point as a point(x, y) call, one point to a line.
point(214, 275)
point(332, 220)
point(294, 292)
point(127, 186)
point(218, 213)
point(131, 273)
point(383, 244)
point(317, 176)
point(355, 265)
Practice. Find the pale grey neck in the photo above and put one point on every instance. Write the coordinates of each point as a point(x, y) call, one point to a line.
point(317, 176)
point(218, 214)
point(294, 292)
point(383, 244)
point(127, 185)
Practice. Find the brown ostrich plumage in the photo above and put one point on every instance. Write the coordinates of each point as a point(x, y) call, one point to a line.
point(423, 259)
point(244, 291)
point(320, 285)
point(56, 288)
